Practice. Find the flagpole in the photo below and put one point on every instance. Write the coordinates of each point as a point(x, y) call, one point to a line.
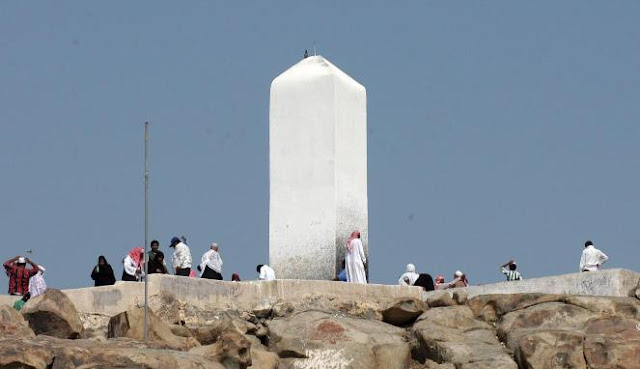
point(146, 228)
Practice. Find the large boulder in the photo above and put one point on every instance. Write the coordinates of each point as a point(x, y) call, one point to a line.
point(314, 339)
point(550, 349)
point(12, 324)
point(116, 353)
point(612, 342)
point(130, 324)
point(451, 335)
point(441, 299)
point(53, 314)
point(21, 353)
point(261, 357)
point(230, 348)
point(403, 311)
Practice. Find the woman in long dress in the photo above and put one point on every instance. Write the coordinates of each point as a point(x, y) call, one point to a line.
point(355, 259)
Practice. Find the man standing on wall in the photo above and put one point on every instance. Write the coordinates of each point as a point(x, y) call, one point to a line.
point(592, 258)
point(181, 257)
point(19, 275)
point(211, 264)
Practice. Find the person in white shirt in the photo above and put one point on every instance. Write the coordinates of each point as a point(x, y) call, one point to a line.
point(266, 273)
point(410, 277)
point(592, 258)
point(355, 260)
point(37, 285)
point(181, 257)
point(211, 264)
point(133, 265)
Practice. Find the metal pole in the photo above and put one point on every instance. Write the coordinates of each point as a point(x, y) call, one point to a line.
point(146, 228)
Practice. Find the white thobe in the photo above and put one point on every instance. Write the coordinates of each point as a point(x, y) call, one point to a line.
point(267, 274)
point(408, 279)
point(212, 260)
point(354, 263)
point(130, 267)
point(181, 256)
point(592, 259)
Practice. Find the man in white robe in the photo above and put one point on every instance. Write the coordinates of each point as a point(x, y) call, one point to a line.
point(355, 260)
point(265, 273)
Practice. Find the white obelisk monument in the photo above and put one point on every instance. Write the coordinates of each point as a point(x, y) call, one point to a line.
point(317, 169)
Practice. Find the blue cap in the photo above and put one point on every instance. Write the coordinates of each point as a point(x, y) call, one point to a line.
point(174, 240)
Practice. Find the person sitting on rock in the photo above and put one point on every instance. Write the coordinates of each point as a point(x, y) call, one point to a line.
point(592, 258)
point(20, 303)
point(409, 277)
point(440, 283)
point(265, 273)
point(512, 274)
point(157, 264)
point(459, 280)
point(19, 275)
point(342, 276)
point(37, 284)
point(102, 273)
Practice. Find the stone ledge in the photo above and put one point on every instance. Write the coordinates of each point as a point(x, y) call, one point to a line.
point(607, 282)
point(211, 295)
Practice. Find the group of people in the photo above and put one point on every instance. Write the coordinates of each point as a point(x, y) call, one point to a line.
point(590, 261)
point(28, 282)
point(23, 281)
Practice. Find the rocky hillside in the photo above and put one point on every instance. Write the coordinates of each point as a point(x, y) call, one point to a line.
point(446, 331)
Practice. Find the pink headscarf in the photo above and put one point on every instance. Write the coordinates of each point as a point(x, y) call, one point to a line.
point(354, 235)
point(135, 255)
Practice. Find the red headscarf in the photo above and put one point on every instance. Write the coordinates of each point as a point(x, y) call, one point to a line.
point(136, 255)
point(354, 235)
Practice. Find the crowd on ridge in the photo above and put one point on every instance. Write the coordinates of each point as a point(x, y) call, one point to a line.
point(29, 282)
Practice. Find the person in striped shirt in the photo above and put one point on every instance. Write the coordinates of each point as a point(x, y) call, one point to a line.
point(511, 273)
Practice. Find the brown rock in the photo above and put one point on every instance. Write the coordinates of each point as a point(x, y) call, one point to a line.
point(12, 324)
point(440, 299)
point(314, 339)
point(130, 324)
point(21, 353)
point(545, 316)
point(403, 311)
point(550, 349)
point(612, 342)
point(491, 308)
point(53, 314)
point(261, 357)
point(452, 335)
point(231, 349)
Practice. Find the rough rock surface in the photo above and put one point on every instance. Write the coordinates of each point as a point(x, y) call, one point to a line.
point(313, 339)
point(403, 311)
point(453, 335)
point(129, 324)
point(53, 314)
point(12, 324)
point(455, 332)
point(53, 353)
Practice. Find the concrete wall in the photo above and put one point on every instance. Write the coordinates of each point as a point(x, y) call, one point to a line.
point(317, 168)
point(221, 295)
point(608, 282)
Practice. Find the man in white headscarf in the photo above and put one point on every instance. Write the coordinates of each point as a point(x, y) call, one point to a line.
point(410, 277)
point(37, 285)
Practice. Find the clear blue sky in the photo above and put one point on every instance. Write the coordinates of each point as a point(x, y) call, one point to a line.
point(497, 129)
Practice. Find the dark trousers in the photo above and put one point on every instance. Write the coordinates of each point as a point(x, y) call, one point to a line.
point(183, 271)
point(128, 277)
point(211, 274)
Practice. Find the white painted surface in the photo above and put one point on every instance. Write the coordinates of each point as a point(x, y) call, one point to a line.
point(317, 168)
